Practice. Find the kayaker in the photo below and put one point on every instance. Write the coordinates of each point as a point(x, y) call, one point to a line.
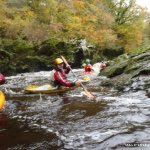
point(99, 66)
point(59, 77)
point(87, 66)
point(102, 65)
point(2, 79)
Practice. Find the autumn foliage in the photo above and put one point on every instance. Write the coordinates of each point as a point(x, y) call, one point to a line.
point(104, 23)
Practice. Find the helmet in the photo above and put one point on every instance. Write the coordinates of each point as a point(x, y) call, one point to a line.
point(58, 61)
point(87, 61)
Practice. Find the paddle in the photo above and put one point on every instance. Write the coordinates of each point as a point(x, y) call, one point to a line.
point(87, 93)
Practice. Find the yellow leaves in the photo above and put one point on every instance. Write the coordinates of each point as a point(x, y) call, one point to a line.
point(6, 21)
point(104, 36)
point(131, 35)
point(72, 23)
point(56, 27)
point(29, 14)
point(79, 4)
point(89, 19)
point(76, 19)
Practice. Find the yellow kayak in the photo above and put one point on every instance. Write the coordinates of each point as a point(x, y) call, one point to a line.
point(2, 100)
point(46, 89)
point(49, 89)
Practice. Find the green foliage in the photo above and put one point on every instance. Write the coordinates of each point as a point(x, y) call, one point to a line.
point(101, 23)
point(54, 48)
point(107, 24)
point(15, 46)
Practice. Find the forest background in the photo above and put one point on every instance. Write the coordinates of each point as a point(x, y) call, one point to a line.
point(34, 32)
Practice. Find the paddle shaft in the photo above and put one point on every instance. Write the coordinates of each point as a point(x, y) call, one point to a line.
point(88, 94)
point(65, 61)
point(77, 78)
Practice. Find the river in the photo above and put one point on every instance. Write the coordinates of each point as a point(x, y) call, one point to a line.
point(71, 121)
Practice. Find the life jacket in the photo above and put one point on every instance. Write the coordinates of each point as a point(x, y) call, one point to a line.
point(60, 78)
point(2, 79)
point(88, 68)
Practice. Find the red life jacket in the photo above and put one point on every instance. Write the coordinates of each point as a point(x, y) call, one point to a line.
point(88, 68)
point(2, 79)
point(61, 79)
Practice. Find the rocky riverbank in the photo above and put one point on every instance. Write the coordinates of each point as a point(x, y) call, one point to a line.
point(129, 72)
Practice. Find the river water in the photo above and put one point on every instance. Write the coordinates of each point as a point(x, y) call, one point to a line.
point(70, 121)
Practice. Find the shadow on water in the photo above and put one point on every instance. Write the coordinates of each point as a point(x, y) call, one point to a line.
point(79, 110)
point(17, 135)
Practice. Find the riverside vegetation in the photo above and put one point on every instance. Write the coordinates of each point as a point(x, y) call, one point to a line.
point(34, 32)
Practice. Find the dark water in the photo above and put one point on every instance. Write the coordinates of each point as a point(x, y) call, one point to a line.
point(70, 121)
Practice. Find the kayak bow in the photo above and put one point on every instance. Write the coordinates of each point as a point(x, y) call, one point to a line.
point(2, 100)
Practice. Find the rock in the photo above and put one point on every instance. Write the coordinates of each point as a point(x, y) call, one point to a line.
point(132, 72)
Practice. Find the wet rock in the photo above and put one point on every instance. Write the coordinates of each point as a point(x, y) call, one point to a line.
point(129, 71)
point(116, 67)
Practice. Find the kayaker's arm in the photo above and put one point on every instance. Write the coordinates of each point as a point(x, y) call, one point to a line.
point(67, 70)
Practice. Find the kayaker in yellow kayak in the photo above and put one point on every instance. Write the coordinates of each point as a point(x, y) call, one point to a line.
point(59, 78)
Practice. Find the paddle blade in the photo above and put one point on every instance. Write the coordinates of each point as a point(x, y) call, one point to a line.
point(88, 94)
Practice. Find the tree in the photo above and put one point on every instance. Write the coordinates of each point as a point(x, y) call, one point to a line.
point(129, 22)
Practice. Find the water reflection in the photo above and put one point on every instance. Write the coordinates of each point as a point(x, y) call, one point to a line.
point(3, 120)
point(79, 110)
